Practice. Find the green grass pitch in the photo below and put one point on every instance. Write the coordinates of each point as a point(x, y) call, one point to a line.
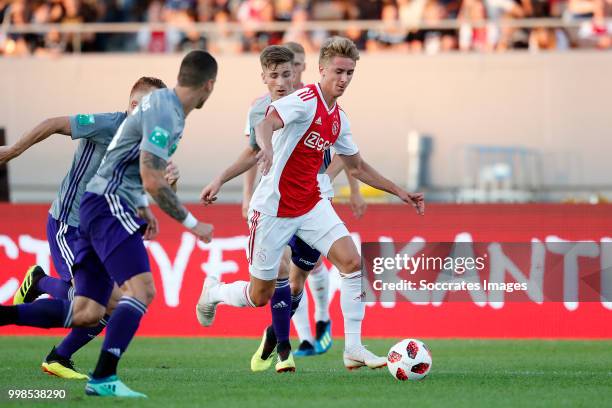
point(215, 373)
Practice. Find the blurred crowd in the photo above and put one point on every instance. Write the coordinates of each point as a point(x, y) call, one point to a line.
point(591, 31)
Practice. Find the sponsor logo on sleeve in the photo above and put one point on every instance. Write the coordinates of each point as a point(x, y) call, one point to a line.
point(159, 137)
point(85, 120)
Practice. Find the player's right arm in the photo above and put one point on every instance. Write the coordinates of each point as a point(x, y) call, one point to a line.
point(155, 147)
point(264, 131)
point(46, 128)
point(244, 162)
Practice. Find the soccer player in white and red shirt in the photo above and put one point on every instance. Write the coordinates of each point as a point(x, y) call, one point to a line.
point(293, 137)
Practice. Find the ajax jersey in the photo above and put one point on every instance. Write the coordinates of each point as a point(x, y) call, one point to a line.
point(311, 128)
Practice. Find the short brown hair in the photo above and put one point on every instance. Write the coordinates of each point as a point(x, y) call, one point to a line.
point(295, 47)
point(197, 67)
point(338, 47)
point(273, 55)
point(147, 82)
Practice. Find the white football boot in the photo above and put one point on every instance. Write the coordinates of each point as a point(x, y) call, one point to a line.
point(359, 356)
point(205, 309)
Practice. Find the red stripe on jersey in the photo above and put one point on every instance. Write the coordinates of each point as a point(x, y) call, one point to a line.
point(307, 93)
point(307, 97)
point(298, 185)
point(253, 230)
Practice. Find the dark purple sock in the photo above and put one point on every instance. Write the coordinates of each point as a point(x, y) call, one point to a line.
point(55, 287)
point(119, 332)
point(45, 313)
point(280, 305)
point(79, 337)
point(295, 302)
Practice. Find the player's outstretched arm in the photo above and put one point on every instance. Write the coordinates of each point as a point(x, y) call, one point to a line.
point(361, 170)
point(263, 135)
point(45, 129)
point(244, 162)
point(152, 172)
point(358, 204)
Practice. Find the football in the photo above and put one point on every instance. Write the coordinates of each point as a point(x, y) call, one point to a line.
point(410, 359)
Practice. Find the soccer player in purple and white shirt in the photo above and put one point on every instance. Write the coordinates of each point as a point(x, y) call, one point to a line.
point(110, 247)
point(94, 131)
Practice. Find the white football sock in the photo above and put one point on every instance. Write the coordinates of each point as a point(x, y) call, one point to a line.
point(318, 282)
point(301, 322)
point(353, 309)
point(233, 294)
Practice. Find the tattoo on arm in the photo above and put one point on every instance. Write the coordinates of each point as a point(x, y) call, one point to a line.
point(164, 196)
point(153, 162)
point(170, 204)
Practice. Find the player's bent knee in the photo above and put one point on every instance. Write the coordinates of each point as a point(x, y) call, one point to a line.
point(260, 299)
point(141, 287)
point(350, 265)
point(145, 294)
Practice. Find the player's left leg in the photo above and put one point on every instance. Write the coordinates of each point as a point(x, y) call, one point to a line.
point(59, 360)
point(304, 259)
point(128, 265)
point(64, 243)
point(344, 255)
point(327, 233)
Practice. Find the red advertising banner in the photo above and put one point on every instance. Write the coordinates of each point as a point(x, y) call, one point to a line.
point(180, 264)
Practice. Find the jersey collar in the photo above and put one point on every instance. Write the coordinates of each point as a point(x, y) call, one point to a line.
point(329, 111)
point(179, 105)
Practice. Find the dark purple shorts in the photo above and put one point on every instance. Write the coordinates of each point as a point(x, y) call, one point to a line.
point(62, 239)
point(303, 255)
point(109, 248)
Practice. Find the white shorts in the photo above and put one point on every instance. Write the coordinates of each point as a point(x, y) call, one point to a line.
point(269, 235)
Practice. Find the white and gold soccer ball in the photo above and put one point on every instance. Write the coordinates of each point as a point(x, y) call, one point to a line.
point(410, 359)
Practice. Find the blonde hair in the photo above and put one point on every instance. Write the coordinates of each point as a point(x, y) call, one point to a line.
point(338, 47)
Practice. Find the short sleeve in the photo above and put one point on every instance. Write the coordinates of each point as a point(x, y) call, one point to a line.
point(293, 108)
point(344, 144)
point(100, 127)
point(157, 129)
